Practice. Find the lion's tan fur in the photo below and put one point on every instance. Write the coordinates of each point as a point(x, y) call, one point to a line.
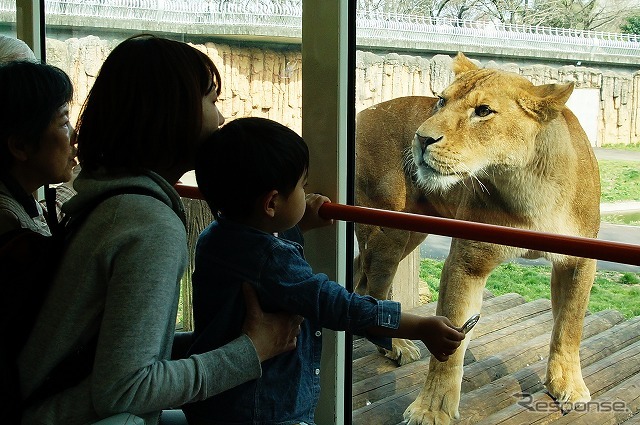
point(527, 163)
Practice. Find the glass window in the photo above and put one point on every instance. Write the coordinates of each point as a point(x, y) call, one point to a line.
point(257, 50)
point(400, 72)
point(468, 138)
point(8, 18)
point(257, 47)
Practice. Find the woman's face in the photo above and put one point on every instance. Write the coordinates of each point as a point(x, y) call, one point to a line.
point(212, 119)
point(54, 158)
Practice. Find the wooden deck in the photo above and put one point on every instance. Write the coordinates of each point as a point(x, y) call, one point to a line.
point(507, 356)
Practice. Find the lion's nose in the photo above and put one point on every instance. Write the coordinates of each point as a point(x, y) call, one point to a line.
point(426, 141)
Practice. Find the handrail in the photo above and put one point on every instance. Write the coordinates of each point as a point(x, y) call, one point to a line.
point(540, 241)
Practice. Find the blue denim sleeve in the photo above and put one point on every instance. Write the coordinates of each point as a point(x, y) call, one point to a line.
point(388, 317)
point(290, 283)
point(388, 314)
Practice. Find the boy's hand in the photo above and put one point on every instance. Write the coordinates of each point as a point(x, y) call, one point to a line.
point(436, 332)
point(442, 338)
point(311, 218)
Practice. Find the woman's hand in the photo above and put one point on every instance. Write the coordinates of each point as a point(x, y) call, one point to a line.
point(271, 334)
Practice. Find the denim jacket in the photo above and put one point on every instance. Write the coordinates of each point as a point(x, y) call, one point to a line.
point(228, 254)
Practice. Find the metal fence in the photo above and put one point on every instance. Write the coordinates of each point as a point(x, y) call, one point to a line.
point(418, 29)
point(285, 14)
point(374, 29)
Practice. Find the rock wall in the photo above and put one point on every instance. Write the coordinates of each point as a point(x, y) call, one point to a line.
point(379, 78)
point(267, 82)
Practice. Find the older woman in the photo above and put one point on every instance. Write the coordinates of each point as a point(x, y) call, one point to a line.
point(14, 49)
point(35, 140)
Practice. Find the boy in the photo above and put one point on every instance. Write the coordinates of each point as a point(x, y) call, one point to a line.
point(252, 172)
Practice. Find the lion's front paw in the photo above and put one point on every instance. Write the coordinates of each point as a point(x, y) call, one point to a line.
point(437, 403)
point(403, 351)
point(417, 414)
point(567, 386)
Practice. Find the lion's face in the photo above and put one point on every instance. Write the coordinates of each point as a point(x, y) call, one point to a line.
point(485, 121)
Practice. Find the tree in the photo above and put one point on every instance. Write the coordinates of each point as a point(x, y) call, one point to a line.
point(577, 14)
point(632, 25)
point(601, 15)
point(458, 9)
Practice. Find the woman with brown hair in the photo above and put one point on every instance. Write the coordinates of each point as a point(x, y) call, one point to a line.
point(152, 104)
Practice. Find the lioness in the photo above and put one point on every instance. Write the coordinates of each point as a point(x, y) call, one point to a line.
point(491, 148)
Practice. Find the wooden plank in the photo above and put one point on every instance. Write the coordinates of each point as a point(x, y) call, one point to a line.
point(534, 324)
point(499, 399)
point(613, 407)
point(541, 409)
point(382, 381)
point(387, 413)
point(378, 388)
point(375, 364)
point(613, 369)
point(363, 347)
point(634, 420)
point(518, 356)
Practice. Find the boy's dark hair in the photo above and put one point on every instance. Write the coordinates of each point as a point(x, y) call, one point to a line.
point(31, 93)
point(245, 159)
point(144, 110)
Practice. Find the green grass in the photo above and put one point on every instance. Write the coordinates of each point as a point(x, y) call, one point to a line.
point(617, 218)
point(611, 290)
point(620, 180)
point(634, 147)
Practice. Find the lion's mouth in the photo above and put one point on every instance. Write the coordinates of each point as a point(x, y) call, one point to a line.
point(434, 168)
point(433, 176)
point(434, 172)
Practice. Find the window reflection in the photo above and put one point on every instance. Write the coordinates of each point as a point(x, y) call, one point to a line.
point(8, 18)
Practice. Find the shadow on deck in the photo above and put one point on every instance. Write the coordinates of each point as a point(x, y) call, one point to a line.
point(507, 358)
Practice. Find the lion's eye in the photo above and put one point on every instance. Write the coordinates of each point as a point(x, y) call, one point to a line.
point(441, 102)
point(483, 110)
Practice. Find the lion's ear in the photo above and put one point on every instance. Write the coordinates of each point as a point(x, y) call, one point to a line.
point(545, 101)
point(461, 64)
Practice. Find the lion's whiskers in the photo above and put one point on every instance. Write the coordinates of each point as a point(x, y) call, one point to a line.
point(482, 185)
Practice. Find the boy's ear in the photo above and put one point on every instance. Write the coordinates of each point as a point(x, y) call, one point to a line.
point(17, 148)
point(269, 202)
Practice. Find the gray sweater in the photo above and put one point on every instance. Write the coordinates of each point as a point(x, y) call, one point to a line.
point(121, 274)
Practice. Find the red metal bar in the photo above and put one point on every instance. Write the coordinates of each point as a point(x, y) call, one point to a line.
point(540, 241)
point(188, 191)
point(569, 245)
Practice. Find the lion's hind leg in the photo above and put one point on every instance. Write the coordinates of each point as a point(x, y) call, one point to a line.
point(374, 269)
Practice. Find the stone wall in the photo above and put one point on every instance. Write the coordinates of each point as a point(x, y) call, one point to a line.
point(268, 82)
point(255, 82)
point(379, 78)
